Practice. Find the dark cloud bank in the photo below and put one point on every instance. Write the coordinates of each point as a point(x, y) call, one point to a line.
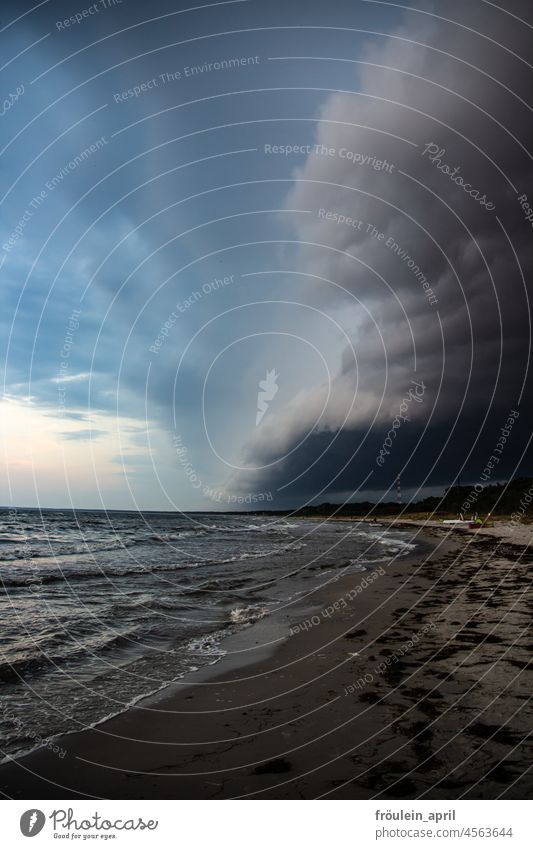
point(449, 218)
point(415, 239)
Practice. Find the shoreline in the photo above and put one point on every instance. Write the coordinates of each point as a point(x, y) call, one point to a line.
point(241, 719)
point(506, 531)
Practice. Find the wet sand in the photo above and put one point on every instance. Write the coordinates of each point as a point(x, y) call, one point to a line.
point(415, 686)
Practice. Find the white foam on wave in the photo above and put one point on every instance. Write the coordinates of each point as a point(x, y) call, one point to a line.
point(399, 543)
point(208, 645)
point(381, 538)
point(247, 615)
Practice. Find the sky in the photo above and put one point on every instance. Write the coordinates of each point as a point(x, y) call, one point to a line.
point(263, 255)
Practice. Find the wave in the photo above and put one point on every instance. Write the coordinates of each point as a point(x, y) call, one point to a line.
point(15, 670)
point(175, 536)
point(32, 548)
point(266, 527)
point(35, 577)
point(247, 615)
point(208, 645)
point(126, 605)
point(64, 550)
point(204, 649)
point(382, 539)
point(358, 565)
point(38, 577)
point(20, 540)
point(400, 543)
point(164, 603)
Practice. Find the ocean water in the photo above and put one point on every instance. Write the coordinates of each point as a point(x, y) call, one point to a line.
point(99, 609)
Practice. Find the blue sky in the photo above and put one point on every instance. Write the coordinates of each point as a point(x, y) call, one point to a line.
point(177, 224)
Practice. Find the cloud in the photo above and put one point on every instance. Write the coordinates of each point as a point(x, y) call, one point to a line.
point(83, 435)
point(422, 280)
point(71, 415)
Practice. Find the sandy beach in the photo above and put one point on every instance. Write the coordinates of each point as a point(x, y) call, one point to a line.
point(506, 531)
point(403, 682)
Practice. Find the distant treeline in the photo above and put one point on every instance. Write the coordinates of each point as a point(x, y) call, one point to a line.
point(501, 499)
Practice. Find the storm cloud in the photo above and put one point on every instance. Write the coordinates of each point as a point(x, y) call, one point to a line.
point(340, 196)
point(416, 228)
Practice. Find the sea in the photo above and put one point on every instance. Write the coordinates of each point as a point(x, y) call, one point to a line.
point(99, 609)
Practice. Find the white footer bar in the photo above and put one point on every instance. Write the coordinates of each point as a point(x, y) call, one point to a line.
point(257, 824)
